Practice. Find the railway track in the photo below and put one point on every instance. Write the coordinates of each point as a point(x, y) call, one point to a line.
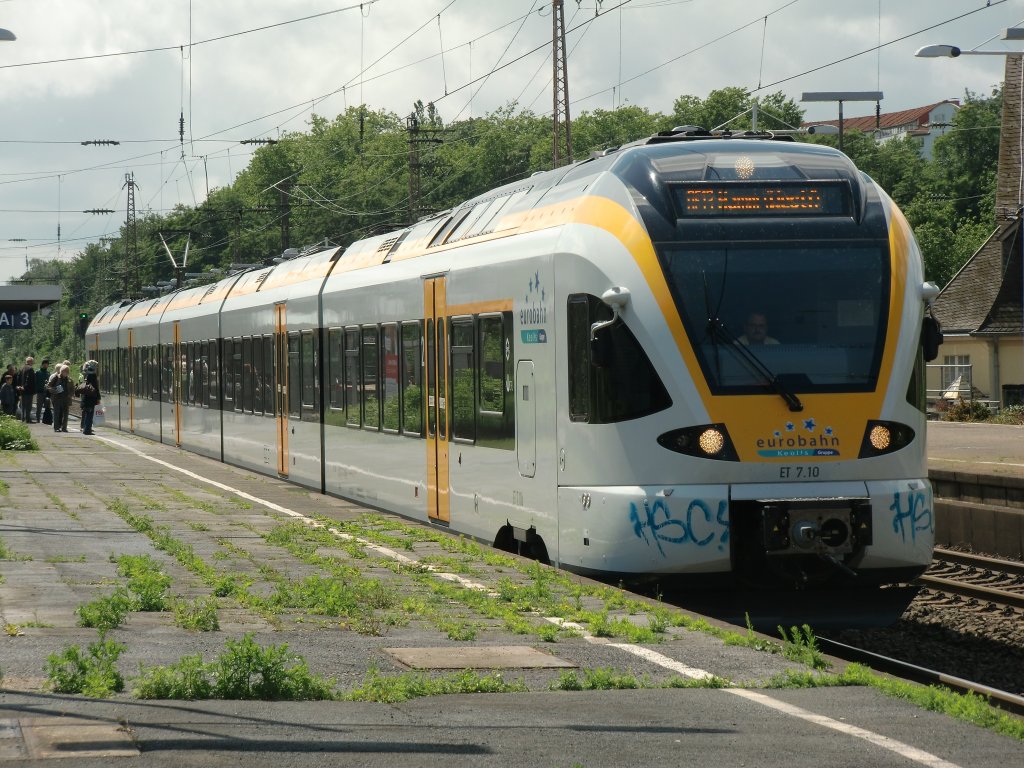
point(991, 582)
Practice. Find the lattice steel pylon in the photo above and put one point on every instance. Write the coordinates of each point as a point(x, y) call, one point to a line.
point(561, 130)
point(132, 284)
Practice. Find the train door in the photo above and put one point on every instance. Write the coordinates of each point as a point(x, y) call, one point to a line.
point(180, 374)
point(526, 418)
point(130, 389)
point(281, 387)
point(436, 346)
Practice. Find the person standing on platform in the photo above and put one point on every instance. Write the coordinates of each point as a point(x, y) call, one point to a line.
point(27, 388)
point(42, 376)
point(8, 395)
point(61, 391)
point(89, 391)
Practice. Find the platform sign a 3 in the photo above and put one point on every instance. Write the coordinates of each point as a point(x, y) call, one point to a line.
point(14, 319)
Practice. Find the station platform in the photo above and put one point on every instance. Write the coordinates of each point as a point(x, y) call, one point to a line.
point(373, 602)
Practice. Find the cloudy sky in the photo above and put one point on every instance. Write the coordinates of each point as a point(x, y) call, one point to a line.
point(127, 71)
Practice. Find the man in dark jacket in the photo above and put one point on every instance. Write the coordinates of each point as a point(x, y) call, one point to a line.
point(27, 389)
point(42, 376)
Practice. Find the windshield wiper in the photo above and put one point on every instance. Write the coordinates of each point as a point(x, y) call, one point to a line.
point(717, 330)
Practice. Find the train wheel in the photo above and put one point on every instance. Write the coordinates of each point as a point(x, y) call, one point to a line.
point(523, 543)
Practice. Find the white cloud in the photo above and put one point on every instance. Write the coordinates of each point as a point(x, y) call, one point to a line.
point(647, 53)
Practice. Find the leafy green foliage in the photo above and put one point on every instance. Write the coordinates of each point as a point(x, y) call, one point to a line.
point(15, 435)
point(146, 581)
point(1012, 414)
point(603, 679)
point(966, 410)
point(243, 671)
point(105, 613)
point(199, 615)
point(383, 688)
point(93, 673)
point(801, 645)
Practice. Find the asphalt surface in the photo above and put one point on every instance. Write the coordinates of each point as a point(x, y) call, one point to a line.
point(996, 449)
point(69, 511)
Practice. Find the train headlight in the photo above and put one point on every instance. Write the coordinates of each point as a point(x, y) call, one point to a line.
point(711, 441)
point(705, 441)
point(881, 437)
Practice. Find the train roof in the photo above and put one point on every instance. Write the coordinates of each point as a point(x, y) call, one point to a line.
point(685, 154)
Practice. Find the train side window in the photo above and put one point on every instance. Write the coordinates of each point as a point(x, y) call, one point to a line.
point(269, 401)
point(463, 410)
point(215, 374)
point(495, 396)
point(335, 368)
point(247, 374)
point(237, 372)
point(622, 385)
point(389, 394)
point(412, 378)
point(257, 374)
point(352, 398)
point(579, 357)
point(310, 382)
point(168, 374)
point(294, 375)
point(370, 379)
point(203, 370)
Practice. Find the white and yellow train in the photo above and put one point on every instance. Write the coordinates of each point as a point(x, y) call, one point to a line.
point(576, 367)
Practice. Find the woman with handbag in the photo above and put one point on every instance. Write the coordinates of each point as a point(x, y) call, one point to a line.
point(60, 389)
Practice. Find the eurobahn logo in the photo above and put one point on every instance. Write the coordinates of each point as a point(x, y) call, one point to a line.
point(799, 440)
point(534, 312)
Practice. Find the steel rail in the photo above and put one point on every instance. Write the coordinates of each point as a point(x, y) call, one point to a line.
point(975, 591)
point(1012, 567)
point(1004, 700)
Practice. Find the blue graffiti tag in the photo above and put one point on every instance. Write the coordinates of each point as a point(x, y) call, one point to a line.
point(916, 517)
point(658, 517)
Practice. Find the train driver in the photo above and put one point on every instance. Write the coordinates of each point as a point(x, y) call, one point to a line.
point(756, 330)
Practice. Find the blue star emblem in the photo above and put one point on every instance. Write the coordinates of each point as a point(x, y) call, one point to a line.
point(809, 425)
point(536, 279)
point(828, 431)
point(789, 426)
point(776, 433)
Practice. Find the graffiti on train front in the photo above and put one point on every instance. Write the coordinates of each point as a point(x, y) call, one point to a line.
point(912, 513)
point(699, 526)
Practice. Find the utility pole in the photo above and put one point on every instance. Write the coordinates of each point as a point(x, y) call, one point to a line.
point(132, 285)
point(412, 126)
point(561, 131)
point(284, 210)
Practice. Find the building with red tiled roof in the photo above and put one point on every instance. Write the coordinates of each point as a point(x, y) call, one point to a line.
point(924, 124)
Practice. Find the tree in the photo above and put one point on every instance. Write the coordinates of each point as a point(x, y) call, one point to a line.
point(730, 108)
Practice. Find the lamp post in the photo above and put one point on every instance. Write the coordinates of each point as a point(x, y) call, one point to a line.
point(1008, 190)
point(840, 97)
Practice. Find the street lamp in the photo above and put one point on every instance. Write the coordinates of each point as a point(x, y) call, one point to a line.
point(1008, 210)
point(952, 51)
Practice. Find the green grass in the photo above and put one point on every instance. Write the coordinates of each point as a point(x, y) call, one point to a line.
point(93, 673)
point(244, 670)
point(15, 435)
point(411, 685)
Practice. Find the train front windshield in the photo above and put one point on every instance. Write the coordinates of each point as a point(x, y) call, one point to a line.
point(811, 314)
